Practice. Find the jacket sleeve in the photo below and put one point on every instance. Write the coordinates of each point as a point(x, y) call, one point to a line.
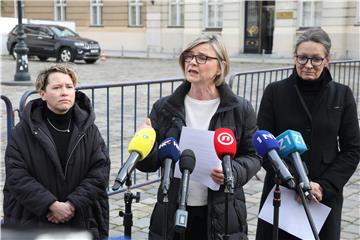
point(95, 184)
point(266, 120)
point(247, 163)
point(334, 179)
point(152, 163)
point(20, 182)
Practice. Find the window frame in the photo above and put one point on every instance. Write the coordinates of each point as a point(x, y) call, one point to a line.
point(139, 20)
point(61, 5)
point(98, 4)
point(312, 14)
point(179, 4)
point(358, 13)
point(216, 4)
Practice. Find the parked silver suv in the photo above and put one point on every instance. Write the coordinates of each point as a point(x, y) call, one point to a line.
point(45, 41)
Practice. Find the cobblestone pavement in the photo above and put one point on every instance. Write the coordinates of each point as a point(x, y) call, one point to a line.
point(115, 70)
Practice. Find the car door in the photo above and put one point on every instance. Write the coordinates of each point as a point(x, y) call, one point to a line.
point(46, 42)
point(31, 38)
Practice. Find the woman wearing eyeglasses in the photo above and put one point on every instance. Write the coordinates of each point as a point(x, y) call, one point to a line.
point(325, 113)
point(204, 101)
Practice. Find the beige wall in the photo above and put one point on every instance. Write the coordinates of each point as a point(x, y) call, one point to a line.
point(338, 19)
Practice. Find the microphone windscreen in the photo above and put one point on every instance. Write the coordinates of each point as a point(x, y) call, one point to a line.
point(224, 142)
point(187, 160)
point(291, 141)
point(169, 149)
point(142, 142)
point(263, 142)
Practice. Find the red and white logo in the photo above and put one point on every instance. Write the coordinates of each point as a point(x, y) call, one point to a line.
point(225, 138)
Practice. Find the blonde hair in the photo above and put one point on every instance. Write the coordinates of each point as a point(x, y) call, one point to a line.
point(42, 78)
point(217, 44)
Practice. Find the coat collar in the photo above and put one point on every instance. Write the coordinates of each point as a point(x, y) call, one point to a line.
point(175, 102)
point(82, 113)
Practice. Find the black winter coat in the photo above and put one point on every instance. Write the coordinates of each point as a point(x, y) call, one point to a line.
point(235, 113)
point(331, 132)
point(35, 178)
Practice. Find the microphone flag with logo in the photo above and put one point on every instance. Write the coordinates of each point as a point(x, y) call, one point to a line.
point(266, 144)
point(139, 147)
point(225, 148)
point(292, 143)
point(169, 154)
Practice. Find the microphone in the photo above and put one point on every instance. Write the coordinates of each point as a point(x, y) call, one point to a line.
point(265, 144)
point(168, 153)
point(225, 148)
point(139, 147)
point(292, 143)
point(186, 165)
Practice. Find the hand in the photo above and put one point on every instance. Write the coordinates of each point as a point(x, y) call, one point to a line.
point(316, 191)
point(60, 212)
point(217, 175)
point(146, 124)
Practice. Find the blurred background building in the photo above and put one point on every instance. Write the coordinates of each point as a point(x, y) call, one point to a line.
point(166, 26)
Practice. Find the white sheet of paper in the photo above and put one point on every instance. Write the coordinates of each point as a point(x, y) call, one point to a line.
point(292, 216)
point(201, 142)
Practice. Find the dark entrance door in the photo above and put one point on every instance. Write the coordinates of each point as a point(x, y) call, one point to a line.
point(259, 26)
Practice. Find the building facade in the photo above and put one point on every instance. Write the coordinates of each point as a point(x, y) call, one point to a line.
point(166, 26)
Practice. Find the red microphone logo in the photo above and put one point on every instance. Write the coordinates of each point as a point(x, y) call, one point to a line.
point(224, 142)
point(225, 138)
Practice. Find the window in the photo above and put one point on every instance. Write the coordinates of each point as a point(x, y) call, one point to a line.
point(176, 13)
point(358, 12)
point(310, 13)
point(60, 10)
point(213, 13)
point(135, 13)
point(22, 8)
point(96, 9)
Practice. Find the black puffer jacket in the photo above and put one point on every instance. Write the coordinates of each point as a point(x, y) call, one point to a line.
point(233, 112)
point(35, 178)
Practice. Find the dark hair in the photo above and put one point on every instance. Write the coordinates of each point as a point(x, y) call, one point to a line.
point(315, 35)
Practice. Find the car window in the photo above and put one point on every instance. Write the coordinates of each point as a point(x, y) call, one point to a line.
point(45, 31)
point(63, 31)
point(33, 30)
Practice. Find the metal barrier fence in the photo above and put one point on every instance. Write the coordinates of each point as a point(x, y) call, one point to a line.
point(251, 85)
point(9, 115)
point(121, 108)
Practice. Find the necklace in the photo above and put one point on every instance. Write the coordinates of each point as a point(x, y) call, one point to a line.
point(60, 130)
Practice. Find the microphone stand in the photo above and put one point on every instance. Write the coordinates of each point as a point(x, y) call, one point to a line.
point(127, 215)
point(307, 211)
point(276, 204)
point(226, 236)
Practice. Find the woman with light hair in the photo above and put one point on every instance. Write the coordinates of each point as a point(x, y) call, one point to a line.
point(57, 164)
point(204, 101)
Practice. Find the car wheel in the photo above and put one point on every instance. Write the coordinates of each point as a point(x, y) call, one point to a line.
point(42, 58)
point(12, 52)
point(90, 61)
point(65, 55)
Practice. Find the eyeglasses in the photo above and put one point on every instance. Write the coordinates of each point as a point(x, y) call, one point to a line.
point(200, 59)
point(315, 61)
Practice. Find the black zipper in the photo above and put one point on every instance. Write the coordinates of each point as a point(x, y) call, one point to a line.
point(72, 151)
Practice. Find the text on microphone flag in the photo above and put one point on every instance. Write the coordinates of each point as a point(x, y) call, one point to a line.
point(291, 141)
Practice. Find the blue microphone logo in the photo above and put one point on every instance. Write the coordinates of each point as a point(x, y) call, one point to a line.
point(291, 141)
